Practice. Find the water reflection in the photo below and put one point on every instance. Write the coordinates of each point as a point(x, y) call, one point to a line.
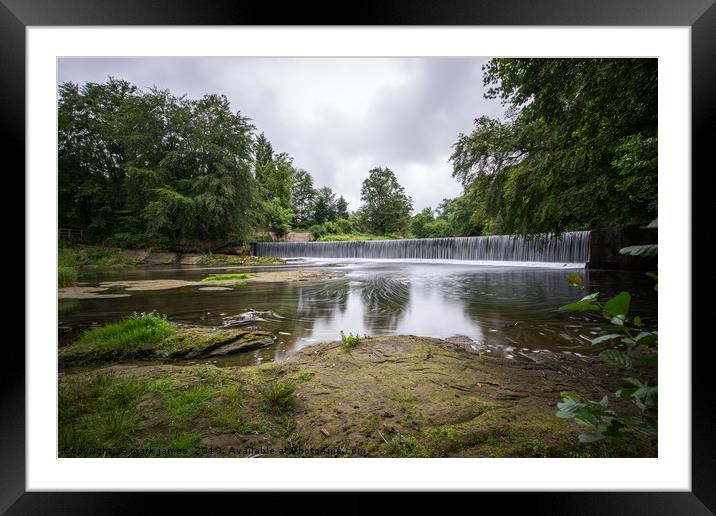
point(504, 309)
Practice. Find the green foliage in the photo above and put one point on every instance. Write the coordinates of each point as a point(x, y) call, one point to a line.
point(333, 230)
point(341, 237)
point(126, 240)
point(97, 413)
point(276, 218)
point(228, 277)
point(575, 280)
point(646, 251)
point(341, 208)
point(602, 422)
point(344, 225)
point(349, 341)
point(386, 208)
point(305, 375)
point(569, 143)
point(425, 224)
point(122, 339)
point(400, 445)
point(303, 198)
point(91, 255)
point(280, 397)
point(275, 180)
point(324, 206)
point(66, 276)
point(137, 162)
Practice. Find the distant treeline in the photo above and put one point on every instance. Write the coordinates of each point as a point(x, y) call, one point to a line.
point(576, 150)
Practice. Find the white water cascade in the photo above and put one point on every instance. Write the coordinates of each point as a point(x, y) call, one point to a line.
point(569, 249)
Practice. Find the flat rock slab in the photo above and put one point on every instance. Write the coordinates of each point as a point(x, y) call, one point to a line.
point(259, 277)
point(86, 293)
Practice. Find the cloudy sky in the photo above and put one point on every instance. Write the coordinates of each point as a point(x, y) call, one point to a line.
point(337, 117)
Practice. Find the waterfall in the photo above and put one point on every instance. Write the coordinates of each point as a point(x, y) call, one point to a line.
point(570, 249)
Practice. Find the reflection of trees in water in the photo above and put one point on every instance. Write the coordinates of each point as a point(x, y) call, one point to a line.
point(512, 307)
point(521, 307)
point(321, 301)
point(510, 294)
point(385, 300)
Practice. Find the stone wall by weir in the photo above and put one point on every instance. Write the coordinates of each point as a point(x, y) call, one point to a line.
point(604, 246)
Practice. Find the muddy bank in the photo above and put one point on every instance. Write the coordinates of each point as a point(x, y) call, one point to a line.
point(398, 396)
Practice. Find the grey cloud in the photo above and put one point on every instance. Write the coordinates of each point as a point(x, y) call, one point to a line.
point(409, 127)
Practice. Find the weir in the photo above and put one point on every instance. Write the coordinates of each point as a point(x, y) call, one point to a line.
point(570, 249)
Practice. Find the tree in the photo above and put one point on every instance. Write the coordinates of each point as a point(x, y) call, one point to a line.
point(276, 218)
point(324, 207)
point(303, 198)
point(579, 133)
point(134, 161)
point(419, 221)
point(275, 179)
point(341, 208)
point(263, 150)
point(212, 166)
point(91, 154)
point(386, 208)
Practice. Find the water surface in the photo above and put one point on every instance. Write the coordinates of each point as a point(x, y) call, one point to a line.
point(511, 311)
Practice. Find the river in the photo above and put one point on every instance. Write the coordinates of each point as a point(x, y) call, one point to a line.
point(507, 310)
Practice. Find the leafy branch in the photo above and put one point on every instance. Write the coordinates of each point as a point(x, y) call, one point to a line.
point(601, 421)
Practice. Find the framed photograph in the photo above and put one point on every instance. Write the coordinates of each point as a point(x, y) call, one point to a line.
point(430, 248)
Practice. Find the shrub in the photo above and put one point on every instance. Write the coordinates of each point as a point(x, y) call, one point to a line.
point(344, 226)
point(331, 227)
point(136, 241)
point(318, 231)
point(66, 276)
point(349, 341)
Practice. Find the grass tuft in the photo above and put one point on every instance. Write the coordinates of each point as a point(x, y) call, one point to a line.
point(401, 445)
point(228, 277)
point(280, 397)
point(349, 341)
point(66, 276)
point(121, 339)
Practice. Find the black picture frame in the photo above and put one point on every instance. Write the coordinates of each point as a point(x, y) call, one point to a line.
point(17, 15)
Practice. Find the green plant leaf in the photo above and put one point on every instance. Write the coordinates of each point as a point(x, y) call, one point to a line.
point(590, 437)
point(616, 357)
point(617, 320)
point(618, 305)
point(646, 338)
point(625, 394)
point(604, 338)
point(586, 303)
point(646, 397)
point(647, 425)
point(645, 251)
